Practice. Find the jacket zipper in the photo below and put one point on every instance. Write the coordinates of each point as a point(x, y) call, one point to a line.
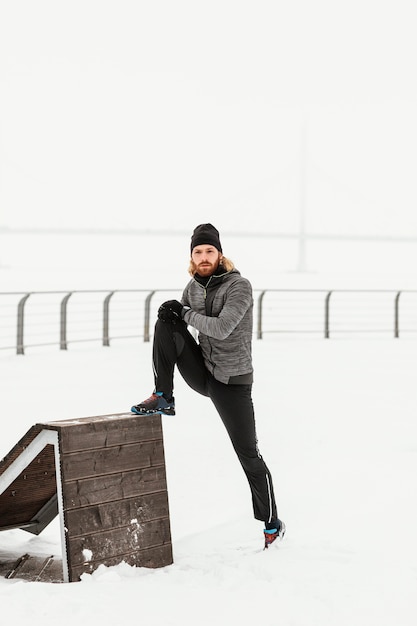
point(205, 287)
point(208, 338)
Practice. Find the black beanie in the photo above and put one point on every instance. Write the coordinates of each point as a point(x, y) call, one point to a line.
point(206, 234)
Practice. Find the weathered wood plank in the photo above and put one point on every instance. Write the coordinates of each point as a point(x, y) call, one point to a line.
point(159, 556)
point(38, 476)
point(51, 572)
point(117, 542)
point(34, 568)
point(6, 566)
point(100, 489)
point(106, 431)
point(131, 513)
point(77, 465)
point(30, 491)
point(19, 447)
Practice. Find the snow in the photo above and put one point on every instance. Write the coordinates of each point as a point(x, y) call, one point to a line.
point(88, 555)
point(336, 425)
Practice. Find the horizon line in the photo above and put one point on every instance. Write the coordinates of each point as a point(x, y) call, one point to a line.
point(6, 230)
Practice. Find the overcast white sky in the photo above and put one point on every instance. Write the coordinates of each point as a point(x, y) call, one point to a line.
point(163, 114)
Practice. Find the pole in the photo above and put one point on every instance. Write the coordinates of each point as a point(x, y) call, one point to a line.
point(302, 243)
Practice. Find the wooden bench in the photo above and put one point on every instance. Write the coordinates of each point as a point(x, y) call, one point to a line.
point(105, 477)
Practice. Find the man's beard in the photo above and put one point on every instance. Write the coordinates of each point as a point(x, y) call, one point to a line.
point(207, 269)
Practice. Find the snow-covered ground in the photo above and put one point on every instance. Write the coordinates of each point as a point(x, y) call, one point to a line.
point(337, 425)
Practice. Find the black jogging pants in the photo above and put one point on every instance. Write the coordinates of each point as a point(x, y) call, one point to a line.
point(174, 345)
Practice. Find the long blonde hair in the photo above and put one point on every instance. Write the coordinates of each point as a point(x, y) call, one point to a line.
point(224, 261)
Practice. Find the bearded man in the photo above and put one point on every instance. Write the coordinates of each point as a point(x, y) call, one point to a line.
point(218, 303)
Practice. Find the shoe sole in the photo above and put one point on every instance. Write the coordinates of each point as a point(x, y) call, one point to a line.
point(153, 412)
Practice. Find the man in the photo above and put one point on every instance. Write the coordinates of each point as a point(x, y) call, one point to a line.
point(218, 303)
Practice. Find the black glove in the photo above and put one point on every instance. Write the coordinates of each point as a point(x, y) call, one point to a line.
point(170, 311)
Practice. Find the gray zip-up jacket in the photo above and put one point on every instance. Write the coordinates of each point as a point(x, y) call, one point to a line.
point(222, 312)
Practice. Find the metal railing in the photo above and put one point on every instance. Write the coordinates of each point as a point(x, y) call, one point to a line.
point(62, 317)
point(60, 301)
point(339, 312)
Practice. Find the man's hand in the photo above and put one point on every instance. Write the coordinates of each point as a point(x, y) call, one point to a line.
point(170, 311)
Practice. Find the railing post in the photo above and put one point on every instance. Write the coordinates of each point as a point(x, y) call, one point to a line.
point(106, 315)
point(261, 297)
point(63, 323)
point(327, 316)
point(397, 316)
point(20, 348)
point(148, 299)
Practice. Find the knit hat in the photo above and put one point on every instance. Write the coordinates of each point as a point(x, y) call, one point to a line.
point(206, 234)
